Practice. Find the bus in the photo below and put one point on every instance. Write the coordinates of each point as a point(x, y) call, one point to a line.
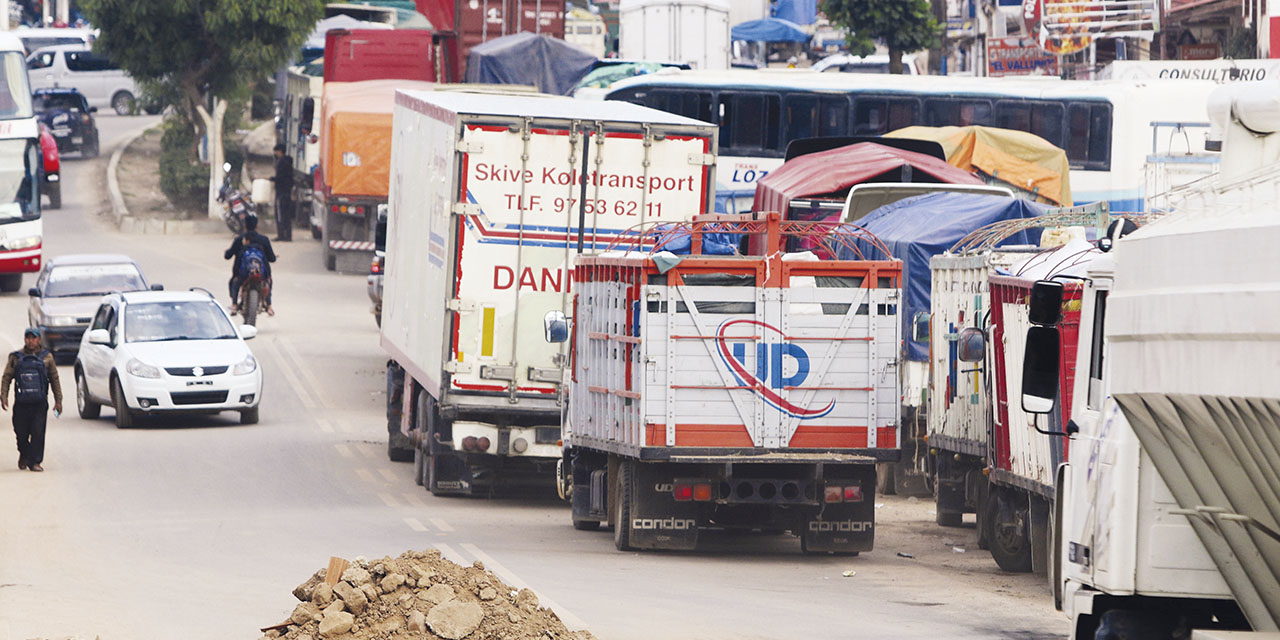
point(1105, 127)
point(21, 169)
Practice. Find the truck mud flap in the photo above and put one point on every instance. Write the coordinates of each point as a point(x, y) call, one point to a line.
point(658, 521)
point(448, 474)
point(845, 522)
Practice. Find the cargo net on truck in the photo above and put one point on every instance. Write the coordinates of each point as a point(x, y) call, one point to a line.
point(734, 343)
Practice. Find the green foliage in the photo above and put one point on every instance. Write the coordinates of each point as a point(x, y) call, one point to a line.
point(902, 25)
point(182, 178)
point(1241, 44)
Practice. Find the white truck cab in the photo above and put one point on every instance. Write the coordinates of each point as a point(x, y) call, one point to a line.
point(1117, 543)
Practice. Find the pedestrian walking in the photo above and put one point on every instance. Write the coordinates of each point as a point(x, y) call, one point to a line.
point(34, 373)
point(284, 195)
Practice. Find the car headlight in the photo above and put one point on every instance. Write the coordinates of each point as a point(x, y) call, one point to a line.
point(248, 365)
point(59, 321)
point(22, 243)
point(140, 369)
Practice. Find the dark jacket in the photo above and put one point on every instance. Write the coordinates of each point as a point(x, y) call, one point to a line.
point(11, 370)
point(254, 238)
point(284, 175)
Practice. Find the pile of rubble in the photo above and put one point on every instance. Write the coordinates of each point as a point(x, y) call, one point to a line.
point(417, 595)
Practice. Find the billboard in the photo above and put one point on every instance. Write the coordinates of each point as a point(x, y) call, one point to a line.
point(1015, 56)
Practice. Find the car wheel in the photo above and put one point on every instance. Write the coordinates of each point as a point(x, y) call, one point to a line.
point(55, 196)
point(89, 410)
point(249, 416)
point(10, 282)
point(124, 417)
point(123, 103)
point(90, 150)
point(315, 232)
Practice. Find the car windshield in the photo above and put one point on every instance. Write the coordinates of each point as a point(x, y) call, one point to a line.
point(92, 280)
point(51, 101)
point(183, 320)
point(15, 92)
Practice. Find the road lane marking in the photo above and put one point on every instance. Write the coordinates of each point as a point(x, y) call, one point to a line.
point(415, 500)
point(366, 476)
point(287, 347)
point(570, 620)
point(387, 473)
point(325, 425)
point(416, 526)
point(388, 500)
point(441, 525)
point(448, 552)
point(290, 376)
point(344, 450)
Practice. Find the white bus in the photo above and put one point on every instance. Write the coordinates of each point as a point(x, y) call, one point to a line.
point(1105, 126)
point(21, 169)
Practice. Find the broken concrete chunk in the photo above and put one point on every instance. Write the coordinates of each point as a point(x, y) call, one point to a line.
point(392, 582)
point(488, 593)
point(304, 613)
point(303, 591)
point(527, 600)
point(357, 575)
point(355, 598)
point(335, 606)
point(438, 594)
point(336, 623)
point(322, 595)
point(455, 620)
point(417, 622)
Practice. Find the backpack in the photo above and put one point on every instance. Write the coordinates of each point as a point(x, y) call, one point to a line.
point(252, 259)
point(32, 379)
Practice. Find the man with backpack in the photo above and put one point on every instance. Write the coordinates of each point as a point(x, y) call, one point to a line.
point(248, 247)
point(34, 373)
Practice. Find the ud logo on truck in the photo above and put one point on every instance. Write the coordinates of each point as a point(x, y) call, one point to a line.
point(771, 362)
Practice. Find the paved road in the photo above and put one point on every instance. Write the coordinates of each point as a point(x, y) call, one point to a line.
point(199, 528)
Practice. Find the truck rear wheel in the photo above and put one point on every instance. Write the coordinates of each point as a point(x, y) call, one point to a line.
point(623, 507)
point(1008, 531)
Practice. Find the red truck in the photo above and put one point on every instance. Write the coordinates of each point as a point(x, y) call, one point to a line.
point(338, 127)
point(462, 24)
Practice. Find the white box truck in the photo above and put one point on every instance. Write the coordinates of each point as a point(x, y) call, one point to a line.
point(491, 198)
point(693, 32)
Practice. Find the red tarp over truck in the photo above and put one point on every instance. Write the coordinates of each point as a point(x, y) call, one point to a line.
point(831, 173)
point(352, 55)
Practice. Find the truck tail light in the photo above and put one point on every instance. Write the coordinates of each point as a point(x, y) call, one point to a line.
point(702, 492)
point(682, 492)
point(375, 266)
point(469, 443)
point(853, 493)
point(359, 211)
point(482, 443)
point(833, 494)
point(335, 208)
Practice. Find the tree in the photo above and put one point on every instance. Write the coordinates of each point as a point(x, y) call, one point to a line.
point(903, 25)
point(202, 51)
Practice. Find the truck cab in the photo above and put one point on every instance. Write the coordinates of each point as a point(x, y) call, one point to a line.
point(1120, 548)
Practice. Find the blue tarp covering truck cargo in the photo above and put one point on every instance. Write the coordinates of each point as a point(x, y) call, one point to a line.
point(916, 229)
point(550, 64)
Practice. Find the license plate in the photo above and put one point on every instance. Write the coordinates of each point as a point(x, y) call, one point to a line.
point(76, 139)
point(200, 383)
point(238, 208)
point(62, 131)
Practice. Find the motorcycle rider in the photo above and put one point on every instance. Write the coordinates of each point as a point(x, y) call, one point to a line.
point(249, 237)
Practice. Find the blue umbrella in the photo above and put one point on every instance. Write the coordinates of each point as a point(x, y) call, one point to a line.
point(769, 30)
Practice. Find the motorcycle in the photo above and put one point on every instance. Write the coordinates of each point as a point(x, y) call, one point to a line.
point(254, 286)
point(239, 206)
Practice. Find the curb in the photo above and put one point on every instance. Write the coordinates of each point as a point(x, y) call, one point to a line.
point(127, 223)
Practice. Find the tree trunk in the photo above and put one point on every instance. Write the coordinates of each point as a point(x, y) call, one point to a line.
point(213, 134)
point(895, 61)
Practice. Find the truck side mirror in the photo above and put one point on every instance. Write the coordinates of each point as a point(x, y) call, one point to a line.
point(556, 326)
point(1040, 370)
point(972, 345)
point(920, 327)
point(1046, 303)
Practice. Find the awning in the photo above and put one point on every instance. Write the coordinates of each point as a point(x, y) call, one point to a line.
point(769, 30)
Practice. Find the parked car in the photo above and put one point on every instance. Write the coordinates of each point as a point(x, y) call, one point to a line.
point(70, 119)
point(52, 184)
point(69, 290)
point(864, 64)
point(100, 80)
point(40, 37)
point(150, 352)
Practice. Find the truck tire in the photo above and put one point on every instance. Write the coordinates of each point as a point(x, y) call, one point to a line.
point(55, 196)
point(586, 525)
point(419, 466)
point(622, 508)
point(10, 282)
point(1008, 530)
point(399, 447)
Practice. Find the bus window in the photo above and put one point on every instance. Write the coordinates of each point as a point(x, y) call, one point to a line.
point(800, 116)
point(1041, 118)
point(876, 115)
point(943, 112)
point(1089, 136)
point(750, 121)
point(687, 103)
point(835, 117)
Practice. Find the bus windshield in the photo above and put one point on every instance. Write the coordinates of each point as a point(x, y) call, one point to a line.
point(15, 90)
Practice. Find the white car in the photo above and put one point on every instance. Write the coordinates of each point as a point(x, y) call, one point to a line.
point(150, 352)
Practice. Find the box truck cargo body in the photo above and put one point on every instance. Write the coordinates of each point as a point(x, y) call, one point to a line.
point(753, 391)
point(492, 196)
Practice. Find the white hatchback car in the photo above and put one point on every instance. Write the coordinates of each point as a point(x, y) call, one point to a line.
point(150, 352)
